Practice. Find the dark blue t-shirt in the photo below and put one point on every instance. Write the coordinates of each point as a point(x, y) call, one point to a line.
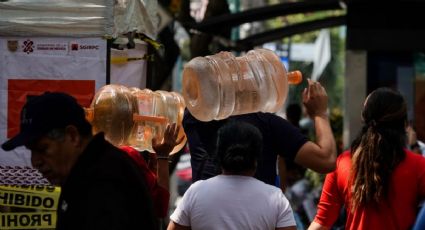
point(279, 138)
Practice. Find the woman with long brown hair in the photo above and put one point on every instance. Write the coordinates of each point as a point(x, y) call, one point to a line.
point(378, 181)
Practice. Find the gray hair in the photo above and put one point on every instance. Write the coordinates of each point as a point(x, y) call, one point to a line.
point(56, 134)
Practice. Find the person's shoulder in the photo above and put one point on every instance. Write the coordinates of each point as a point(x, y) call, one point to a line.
point(100, 152)
point(188, 118)
point(270, 118)
point(268, 115)
point(270, 191)
point(264, 186)
point(345, 155)
point(343, 160)
point(413, 162)
point(113, 161)
point(195, 187)
point(198, 183)
point(414, 157)
point(117, 153)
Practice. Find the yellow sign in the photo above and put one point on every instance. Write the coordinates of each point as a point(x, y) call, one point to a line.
point(36, 196)
point(28, 220)
point(44, 189)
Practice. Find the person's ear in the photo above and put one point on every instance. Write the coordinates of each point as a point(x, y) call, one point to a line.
point(72, 133)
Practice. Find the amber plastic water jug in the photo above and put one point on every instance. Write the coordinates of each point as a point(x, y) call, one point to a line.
point(155, 110)
point(130, 116)
point(111, 111)
point(221, 85)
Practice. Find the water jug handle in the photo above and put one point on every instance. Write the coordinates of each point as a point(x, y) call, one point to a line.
point(89, 113)
point(294, 77)
point(158, 119)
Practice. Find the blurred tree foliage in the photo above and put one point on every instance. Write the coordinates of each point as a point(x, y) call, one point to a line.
point(332, 77)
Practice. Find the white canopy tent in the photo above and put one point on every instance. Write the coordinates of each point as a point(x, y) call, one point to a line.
point(78, 18)
point(62, 45)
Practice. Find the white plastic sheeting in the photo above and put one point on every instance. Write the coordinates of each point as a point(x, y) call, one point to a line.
point(77, 18)
point(132, 73)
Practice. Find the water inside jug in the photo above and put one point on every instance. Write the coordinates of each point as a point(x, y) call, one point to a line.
point(222, 85)
point(156, 110)
point(111, 112)
point(131, 116)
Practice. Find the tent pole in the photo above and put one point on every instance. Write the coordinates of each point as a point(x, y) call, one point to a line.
point(108, 61)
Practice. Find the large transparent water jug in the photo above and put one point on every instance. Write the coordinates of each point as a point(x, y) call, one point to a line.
point(130, 117)
point(156, 109)
point(111, 111)
point(221, 85)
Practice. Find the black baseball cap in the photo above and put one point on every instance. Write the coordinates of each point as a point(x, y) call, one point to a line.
point(43, 113)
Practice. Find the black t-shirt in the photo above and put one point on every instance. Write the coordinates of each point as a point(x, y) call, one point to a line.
point(279, 138)
point(105, 190)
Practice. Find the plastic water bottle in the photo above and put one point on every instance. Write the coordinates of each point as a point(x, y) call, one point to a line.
point(111, 111)
point(130, 116)
point(221, 85)
point(156, 109)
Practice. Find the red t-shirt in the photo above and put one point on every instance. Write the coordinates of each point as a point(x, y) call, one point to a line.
point(407, 189)
point(160, 195)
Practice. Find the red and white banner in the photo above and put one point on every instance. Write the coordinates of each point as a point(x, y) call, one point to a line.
point(31, 66)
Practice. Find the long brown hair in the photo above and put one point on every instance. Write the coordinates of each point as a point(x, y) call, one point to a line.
point(379, 147)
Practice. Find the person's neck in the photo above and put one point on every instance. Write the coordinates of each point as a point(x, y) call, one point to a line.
point(84, 142)
point(250, 173)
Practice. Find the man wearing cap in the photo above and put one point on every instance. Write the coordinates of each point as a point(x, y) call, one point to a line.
point(102, 187)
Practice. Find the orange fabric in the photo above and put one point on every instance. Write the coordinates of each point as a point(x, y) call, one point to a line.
point(18, 90)
point(160, 195)
point(407, 189)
